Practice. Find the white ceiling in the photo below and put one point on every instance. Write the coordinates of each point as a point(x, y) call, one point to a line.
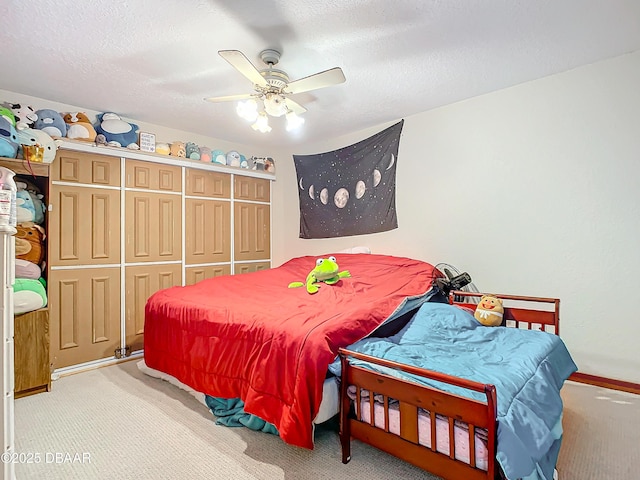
point(154, 61)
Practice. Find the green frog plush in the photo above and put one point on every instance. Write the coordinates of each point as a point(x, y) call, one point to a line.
point(326, 271)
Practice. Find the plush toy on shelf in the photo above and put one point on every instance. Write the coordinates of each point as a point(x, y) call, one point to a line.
point(111, 130)
point(205, 154)
point(233, 158)
point(79, 127)
point(489, 311)
point(51, 122)
point(178, 149)
point(30, 242)
point(163, 148)
point(7, 113)
point(28, 295)
point(8, 139)
point(31, 136)
point(29, 206)
point(25, 115)
point(218, 156)
point(192, 151)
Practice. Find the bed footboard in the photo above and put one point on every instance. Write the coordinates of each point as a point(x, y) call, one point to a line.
point(442, 433)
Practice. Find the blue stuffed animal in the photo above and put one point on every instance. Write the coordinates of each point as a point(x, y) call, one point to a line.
point(115, 132)
point(8, 139)
point(192, 151)
point(51, 122)
point(30, 136)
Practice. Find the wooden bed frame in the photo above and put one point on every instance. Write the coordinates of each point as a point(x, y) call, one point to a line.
point(411, 396)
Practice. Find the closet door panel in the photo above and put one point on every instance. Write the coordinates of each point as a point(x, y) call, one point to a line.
point(252, 234)
point(84, 226)
point(197, 274)
point(153, 227)
point(88, 168)
point(140, 283)
point(202, 183)
point(207, 231)
point(84, 315)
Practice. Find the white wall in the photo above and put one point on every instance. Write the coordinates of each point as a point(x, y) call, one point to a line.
point(533, 190)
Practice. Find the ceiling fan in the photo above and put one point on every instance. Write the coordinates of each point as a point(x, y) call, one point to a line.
point(273, 88)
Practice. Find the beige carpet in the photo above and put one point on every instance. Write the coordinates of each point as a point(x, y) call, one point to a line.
point(117, 423)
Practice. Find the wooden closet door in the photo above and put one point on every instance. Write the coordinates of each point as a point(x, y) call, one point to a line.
point(140, 283)
point(197, 274)
point(84, 226)
point(153, 227)
point(85, 317)
point(207, 231)
point(252, 234)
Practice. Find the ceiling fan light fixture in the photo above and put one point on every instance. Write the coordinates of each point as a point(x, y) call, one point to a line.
point(293, 121)
point(275, 104)
point(262, 123)
point(248, 110)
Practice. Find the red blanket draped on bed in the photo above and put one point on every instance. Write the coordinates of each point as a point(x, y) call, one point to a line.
point(249, 336)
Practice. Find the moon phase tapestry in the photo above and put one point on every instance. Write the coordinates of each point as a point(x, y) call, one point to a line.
point(350, 191)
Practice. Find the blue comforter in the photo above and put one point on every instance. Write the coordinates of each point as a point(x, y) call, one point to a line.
point(527, 367)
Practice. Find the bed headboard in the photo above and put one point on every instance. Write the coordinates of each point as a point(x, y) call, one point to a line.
point(531, 313)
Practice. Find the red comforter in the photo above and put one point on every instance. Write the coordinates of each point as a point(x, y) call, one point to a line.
point(249, 336)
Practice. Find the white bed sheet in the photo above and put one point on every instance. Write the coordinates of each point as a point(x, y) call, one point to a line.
point(329, 407)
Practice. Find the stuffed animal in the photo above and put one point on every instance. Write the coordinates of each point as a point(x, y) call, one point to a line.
point(8, 139)
point(115, 132)
point(7, 113)
point(258, 163)
point(326, 270)
point(178, 149)
point(489, 311)
point(233, 158)
point(31, 136)
point(25, 115)
point(25, 269)
point(29, 206)
point(269, 165)
point(205, 154)
point(243, 162)
point(30, 242)
point(79, 126)
point(218, 156)
point(28, 295)
point(163, 148)
point(192, 151)
point(51, 122)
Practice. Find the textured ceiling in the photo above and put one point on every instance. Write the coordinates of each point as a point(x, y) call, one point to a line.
point(154, 61)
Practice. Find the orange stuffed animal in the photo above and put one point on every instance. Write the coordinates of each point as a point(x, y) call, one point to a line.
point(489, 311)
point(30, 242)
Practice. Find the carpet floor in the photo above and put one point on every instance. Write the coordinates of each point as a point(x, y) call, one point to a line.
point(117, 423)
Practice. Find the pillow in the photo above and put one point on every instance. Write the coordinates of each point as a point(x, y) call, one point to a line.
point(435, 319)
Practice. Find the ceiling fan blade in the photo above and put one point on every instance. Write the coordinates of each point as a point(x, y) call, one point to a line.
point(241, 63)
point(231, 98)
point(295, 107)
point(327, 78)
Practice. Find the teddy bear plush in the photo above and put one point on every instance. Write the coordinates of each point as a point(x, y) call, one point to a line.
point(489, 311)
point(178, 149)
point(79, 126)
point(111, 130)
point(51, 122)
point(30, 242)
